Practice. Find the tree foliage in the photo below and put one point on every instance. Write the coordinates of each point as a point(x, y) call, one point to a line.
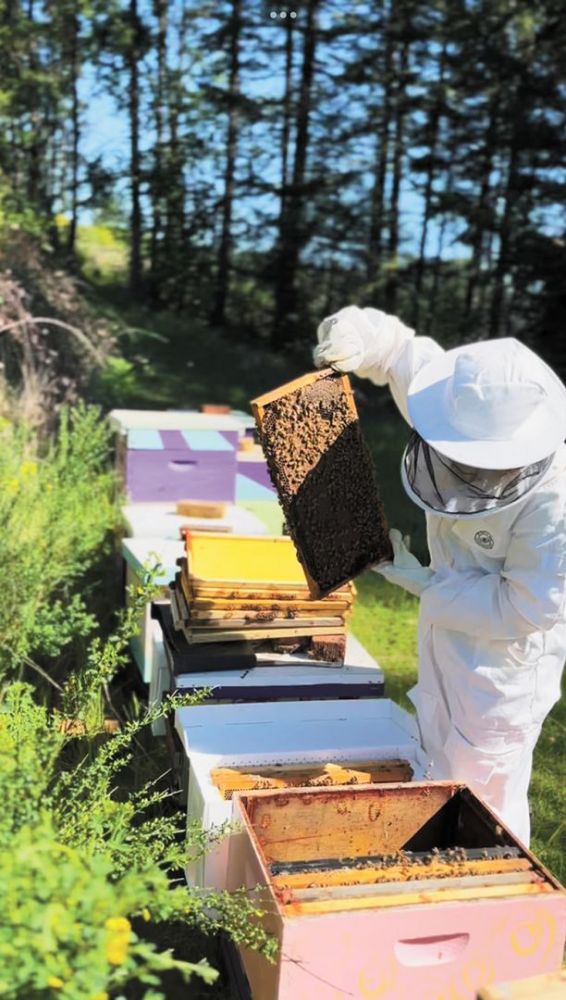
point(384, 151)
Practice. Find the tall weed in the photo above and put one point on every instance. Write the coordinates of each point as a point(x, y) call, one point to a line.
point(57, 512)
point(83, 852)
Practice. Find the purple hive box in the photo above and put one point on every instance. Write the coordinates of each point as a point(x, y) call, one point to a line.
point(181, 465)
point(253, 478)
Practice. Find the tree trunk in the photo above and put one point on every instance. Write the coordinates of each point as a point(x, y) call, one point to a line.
point(136, 222)
point(480, 212)
point(497, 309)
point(437, 266)
point(74, 69)
point(34, 157)
point(398, 151)
point(218, 316)
point(377, 217)
point(287, 111)
point(176, 242)
point(291, 224)
point(433, 136)
point(157, 185)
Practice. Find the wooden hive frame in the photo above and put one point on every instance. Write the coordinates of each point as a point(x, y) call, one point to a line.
point(260, 407)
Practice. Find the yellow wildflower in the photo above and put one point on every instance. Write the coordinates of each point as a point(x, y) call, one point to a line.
point(117, 949)
point(55, 982)
point(99, 996)
point(118, 924)
point(28, 469)
point(119, 939)
point(12, 486)
point(146, 914)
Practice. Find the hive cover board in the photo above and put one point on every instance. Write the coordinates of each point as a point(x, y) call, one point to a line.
point(324, 476)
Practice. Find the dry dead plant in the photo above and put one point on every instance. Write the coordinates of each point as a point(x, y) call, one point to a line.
point(50, 343)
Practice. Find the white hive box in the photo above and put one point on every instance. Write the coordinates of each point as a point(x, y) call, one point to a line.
point(288, 732)
point(137, 553)
point(160, 677)
point(289, 669)
point(149, 520)
point(173, 420)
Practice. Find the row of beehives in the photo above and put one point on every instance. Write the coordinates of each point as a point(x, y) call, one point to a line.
point(167, 455)
point(367, 883)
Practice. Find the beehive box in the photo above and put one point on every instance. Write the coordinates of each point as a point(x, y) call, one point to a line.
point(289, 681)
point(189, 658)
point(180, 465)
point(279, 735)
point(256, 493)
point(137, 554)
point(148, 520)
point(325, 477)
point(269, 561)
point(178, 420)
point(218, 594)
point(159, 680)
point(412, 890)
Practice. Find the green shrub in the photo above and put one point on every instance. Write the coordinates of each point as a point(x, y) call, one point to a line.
point(83, 852)
point(56, 509)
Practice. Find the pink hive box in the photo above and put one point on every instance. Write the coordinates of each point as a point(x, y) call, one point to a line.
point(370, 894)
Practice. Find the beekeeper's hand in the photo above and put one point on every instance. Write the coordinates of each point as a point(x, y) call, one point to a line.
point(364, 341)
point(405, 570)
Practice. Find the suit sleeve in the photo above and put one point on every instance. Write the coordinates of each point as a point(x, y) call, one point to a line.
point(527, 595)
point(407, 355)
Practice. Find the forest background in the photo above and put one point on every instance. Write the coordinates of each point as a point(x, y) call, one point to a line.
point(186, 190)
point(264, 171)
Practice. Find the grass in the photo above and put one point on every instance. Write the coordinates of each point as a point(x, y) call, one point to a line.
point(104, 254)
point(385, 621)
point(547, 793)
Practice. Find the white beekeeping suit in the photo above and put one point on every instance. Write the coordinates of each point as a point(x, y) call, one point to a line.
point(487, 462)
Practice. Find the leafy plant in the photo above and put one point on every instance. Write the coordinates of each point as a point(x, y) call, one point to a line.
point(56, 509)
point(83, 853)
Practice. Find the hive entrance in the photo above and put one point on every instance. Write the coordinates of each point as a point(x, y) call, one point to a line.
point(325, 478)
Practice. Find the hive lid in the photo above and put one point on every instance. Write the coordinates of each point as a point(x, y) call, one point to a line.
point(289, 675)
point(298, 730)
point(243, 558)
point(160, 519)
point(125, 420)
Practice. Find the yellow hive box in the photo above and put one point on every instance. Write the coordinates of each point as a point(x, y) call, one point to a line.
point(243, 559)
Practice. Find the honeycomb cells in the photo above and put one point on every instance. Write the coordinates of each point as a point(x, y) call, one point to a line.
point(326, 481)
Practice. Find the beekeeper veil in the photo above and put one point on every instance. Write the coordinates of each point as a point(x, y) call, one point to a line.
point(487, 419)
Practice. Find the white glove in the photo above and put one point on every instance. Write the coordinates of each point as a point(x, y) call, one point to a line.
point(405, 570)
point(364, 341)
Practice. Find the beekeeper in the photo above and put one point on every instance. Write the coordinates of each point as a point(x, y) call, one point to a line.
point(486, 461)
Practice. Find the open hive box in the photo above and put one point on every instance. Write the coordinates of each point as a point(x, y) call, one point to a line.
point(237, 745)
point(234, 588)
point(398, 891)
point(325, 478)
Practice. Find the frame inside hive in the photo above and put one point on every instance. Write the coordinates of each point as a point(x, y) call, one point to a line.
point(331, 849)
point(325, 478)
